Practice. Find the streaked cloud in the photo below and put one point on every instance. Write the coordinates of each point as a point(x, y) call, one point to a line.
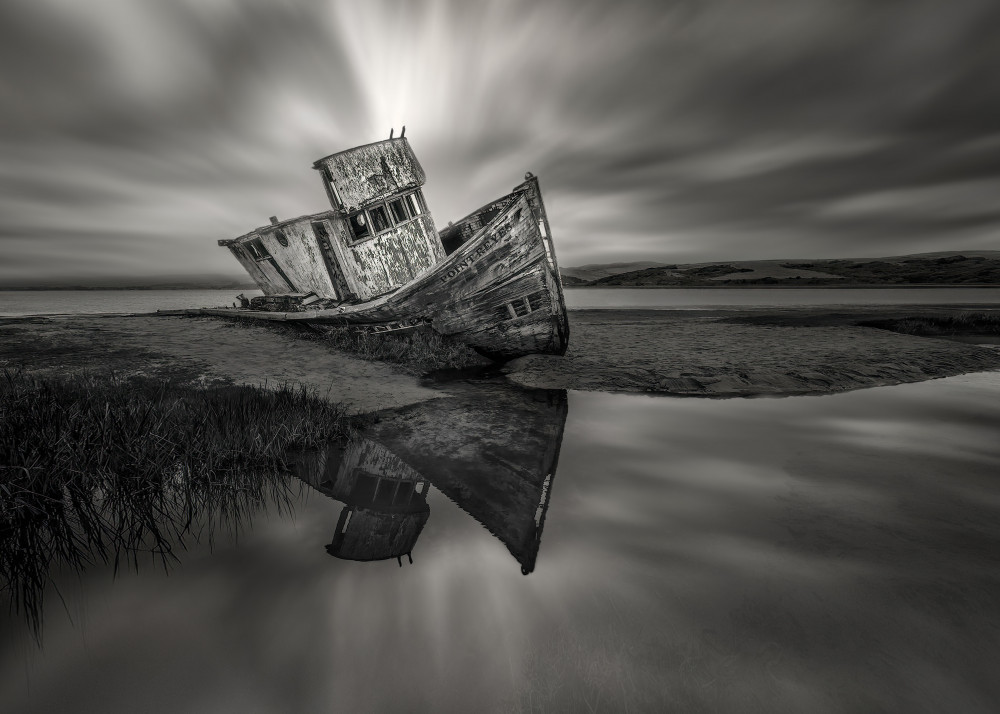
point(763, 156)
point(966, 199)
point(135, 134)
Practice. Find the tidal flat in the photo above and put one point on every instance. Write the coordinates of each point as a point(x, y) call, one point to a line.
point(717, 353)
point(483, 544)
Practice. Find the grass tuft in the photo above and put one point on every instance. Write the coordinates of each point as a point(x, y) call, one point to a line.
point(417, 350)
point(111, 469)
point(964, 323)
point(421, 349)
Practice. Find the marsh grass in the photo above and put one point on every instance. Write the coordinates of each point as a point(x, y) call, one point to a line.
point(417, 350)
point(113, 470)
point(422, 349)
point(964, 323)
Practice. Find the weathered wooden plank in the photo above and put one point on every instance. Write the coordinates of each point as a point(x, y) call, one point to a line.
point(390, 260)
point(285, 257)
point(371, 173)
point(498, 286)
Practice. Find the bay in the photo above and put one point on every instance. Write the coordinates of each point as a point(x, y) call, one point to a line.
point(95, 302)
point(713, 298)
point(836, 554)
point(74, 302)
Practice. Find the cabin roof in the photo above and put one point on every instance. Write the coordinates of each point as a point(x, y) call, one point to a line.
point(280, 224)
point(374, 535)
point(317, 163)
point(371, 173)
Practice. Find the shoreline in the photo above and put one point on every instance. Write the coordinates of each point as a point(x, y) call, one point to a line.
point(202, 352)
point(716, 353)
point(726, 353)
point(865, 286)
point(835, 286)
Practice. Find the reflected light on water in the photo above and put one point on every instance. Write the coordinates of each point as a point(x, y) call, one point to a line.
point(837, 553)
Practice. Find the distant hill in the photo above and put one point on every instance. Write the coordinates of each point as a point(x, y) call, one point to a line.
point(160, 282)
point(979, 267)
point(594, 271)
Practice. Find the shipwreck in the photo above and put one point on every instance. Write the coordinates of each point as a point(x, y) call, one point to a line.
point(376, 261)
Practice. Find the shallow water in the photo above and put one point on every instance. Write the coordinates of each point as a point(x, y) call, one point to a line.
point(711, 298)
point(821, 554)
point(73, 302)
point(91, 302)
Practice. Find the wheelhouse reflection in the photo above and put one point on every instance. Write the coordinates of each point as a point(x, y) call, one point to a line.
point(493, 452)
point(385, 501)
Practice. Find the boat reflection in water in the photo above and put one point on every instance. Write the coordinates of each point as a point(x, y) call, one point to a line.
point(385, 500)
point(493, 451)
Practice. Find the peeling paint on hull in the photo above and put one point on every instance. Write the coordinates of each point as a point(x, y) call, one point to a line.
point(499, 292)
point(490, 280)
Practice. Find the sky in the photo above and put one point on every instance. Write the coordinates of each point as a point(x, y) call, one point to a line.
point(136, 133)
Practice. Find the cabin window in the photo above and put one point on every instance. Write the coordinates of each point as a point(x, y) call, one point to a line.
point(380, 219)
point(398, 211)
point(280, 235)
point(364, 488)
point(359, 226)
point(523, 306)
point(384, 493)
point(404, 492)
point(257, 249)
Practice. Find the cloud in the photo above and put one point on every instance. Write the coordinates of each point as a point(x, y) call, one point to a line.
point(968, 199)
point(661, 130)
point(764, 156)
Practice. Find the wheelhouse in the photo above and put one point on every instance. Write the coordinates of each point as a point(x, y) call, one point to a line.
point(378, 236)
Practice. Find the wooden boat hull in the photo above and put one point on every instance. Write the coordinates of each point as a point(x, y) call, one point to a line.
point(499, 291)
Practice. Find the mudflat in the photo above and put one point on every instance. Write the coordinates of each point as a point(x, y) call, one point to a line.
point(203, 351)
point(745, 353)
point(672, 352)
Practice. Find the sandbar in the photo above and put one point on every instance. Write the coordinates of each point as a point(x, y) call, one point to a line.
point(707, 353)
point(745, 353)
point(205, 351)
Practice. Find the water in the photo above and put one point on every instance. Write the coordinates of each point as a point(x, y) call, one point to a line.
point(40, 302)
point(91, 302)
point(820, 554)
point(708, 298)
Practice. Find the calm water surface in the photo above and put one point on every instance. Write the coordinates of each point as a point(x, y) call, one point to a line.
point(47, 302)
point(806, 554)
point(89, 302)
point(707, 298)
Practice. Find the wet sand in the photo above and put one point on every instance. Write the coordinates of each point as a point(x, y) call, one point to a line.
point(203, 351)
point(745, 353)
point(673, 352)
